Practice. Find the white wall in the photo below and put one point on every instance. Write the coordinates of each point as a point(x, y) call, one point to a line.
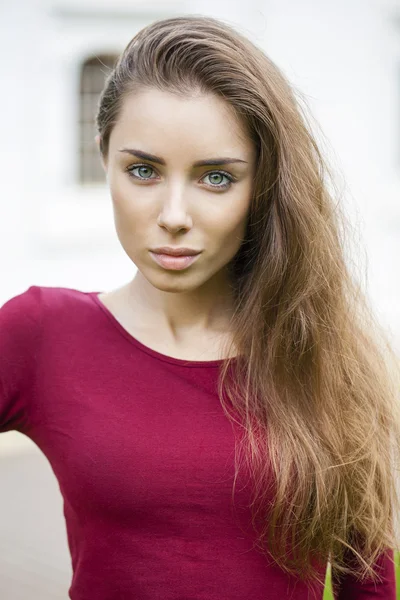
point(345, 55)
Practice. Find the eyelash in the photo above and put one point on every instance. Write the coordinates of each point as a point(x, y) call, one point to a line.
point(230, 178)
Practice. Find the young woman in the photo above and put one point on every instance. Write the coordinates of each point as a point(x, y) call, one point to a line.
point(224, 425)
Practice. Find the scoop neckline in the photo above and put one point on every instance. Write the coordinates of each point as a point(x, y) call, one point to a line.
point(150, 351)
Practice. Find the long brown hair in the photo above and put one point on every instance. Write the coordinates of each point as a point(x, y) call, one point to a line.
point(314, 385)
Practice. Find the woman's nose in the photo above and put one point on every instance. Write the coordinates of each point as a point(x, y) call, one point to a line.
point(174, 213)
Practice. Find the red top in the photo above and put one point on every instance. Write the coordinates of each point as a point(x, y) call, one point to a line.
point(144, 457)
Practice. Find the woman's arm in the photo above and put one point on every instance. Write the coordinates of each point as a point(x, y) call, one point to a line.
point(346, 587)
point(20, 319)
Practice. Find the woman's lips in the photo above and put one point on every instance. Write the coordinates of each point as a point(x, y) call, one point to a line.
point(174, 263)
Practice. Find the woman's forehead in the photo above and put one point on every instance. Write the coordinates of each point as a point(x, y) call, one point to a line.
point(205, 123)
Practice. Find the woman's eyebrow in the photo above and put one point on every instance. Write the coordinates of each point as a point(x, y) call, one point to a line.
point(200, 163)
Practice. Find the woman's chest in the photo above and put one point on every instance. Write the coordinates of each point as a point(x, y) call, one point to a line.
point(128, 450)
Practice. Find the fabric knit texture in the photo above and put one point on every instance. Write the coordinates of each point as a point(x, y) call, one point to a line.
point(144, 456)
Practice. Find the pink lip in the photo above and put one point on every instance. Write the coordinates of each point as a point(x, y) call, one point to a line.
point(174, 263)
point(175, 251)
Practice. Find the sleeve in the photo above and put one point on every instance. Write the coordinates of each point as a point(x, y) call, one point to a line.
point(20, 321)
point(347, 587)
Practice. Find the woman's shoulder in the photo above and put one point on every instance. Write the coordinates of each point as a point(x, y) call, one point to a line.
point(30, 309)
point(36, 296)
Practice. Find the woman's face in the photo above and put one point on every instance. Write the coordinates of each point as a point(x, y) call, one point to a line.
point(163, 196)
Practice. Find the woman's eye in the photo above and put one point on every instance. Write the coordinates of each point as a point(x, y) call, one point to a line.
point(216, 179)
point(143, 171)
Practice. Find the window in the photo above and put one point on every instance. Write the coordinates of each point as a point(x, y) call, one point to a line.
point(94, 71)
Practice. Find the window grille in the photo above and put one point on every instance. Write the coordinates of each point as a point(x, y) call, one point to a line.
point(94, 71)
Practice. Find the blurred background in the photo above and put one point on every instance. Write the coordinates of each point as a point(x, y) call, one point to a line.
point(56, 221)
